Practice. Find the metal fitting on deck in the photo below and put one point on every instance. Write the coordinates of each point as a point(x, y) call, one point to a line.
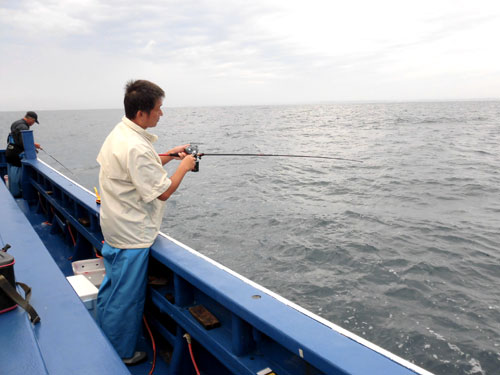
point(187, 336)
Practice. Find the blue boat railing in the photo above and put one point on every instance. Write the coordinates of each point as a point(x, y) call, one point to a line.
point(256, 331)
point(3, 164)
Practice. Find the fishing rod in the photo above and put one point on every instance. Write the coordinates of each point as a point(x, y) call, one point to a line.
point(193, 150)
point(283, 156)
point(62, 165)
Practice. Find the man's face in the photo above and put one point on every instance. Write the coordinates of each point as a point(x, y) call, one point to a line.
point(30, 120)
point(151, 119)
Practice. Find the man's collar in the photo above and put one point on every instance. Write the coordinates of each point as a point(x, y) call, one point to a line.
point(132, 125)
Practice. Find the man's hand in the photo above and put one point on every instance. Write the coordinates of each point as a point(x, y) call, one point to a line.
point(186, 165)
point(178, 150)
point(188, 162)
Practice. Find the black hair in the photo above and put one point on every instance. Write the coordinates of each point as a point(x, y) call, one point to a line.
point(141, 95)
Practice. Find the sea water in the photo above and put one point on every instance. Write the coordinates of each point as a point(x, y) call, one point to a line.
point(400, 246)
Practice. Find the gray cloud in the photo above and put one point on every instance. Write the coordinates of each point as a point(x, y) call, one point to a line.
point(236, 46)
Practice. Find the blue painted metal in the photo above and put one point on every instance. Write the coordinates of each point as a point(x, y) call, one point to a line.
point(3, 165)
point(29, 149)
point(258, 329)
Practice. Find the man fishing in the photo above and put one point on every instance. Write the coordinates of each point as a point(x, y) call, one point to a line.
point(134, 187)
point(15, 151)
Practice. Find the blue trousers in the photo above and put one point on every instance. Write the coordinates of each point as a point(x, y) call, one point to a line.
point(120, 302)
point(15, 174)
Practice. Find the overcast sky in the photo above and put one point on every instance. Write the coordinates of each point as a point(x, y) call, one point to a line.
point(76, 54)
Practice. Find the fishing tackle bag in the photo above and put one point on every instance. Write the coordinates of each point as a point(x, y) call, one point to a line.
point(13, 151)
point(13, 155)
point(9, 297)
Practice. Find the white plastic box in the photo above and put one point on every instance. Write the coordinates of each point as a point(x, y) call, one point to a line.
point(86, 291)
point(92, 269)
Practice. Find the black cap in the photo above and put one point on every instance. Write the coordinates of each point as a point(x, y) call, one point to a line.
point(32, 115)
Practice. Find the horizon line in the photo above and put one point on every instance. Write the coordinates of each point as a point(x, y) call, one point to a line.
point(319, 102)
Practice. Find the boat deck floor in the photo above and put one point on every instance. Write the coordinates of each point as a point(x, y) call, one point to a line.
point(61, 251)
point(67, 339)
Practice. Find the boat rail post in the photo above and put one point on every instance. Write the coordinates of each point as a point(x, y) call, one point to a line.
point(29, 144)
point(29, 154)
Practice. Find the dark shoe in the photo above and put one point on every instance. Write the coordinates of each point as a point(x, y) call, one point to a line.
point(137, 358)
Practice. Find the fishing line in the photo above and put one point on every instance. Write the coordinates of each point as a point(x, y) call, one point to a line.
point(57, 160)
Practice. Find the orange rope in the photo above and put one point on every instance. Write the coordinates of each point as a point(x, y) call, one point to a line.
point(187, 336)
point(192, 359)
point(97, 255)
point(71, 233)
point(153, 343)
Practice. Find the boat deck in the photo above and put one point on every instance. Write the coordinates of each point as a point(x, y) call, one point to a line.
point(66, 340)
